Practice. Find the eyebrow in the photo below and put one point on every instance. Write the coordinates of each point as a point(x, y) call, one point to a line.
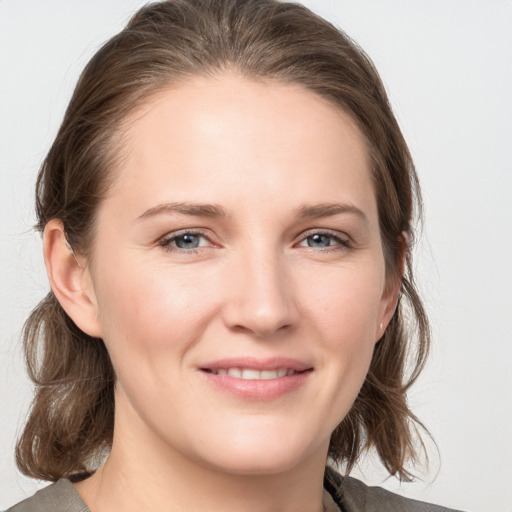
point(195, 209)
point(216, 211)
point(329, 210)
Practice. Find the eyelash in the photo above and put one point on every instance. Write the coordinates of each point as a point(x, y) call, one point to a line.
point(341, 244)
point(166, 242)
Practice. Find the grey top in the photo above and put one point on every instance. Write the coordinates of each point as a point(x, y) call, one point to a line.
point(343, 494)
point(355, 496)
point(58, 497)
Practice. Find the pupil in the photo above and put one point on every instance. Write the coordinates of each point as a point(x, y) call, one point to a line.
point(187, 241)
point(319, 241)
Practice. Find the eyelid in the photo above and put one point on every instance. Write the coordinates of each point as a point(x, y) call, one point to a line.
point(325, 231)
point(344, 240)
point(165, 241)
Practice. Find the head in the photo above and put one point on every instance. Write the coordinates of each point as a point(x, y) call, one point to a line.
point(199, 44)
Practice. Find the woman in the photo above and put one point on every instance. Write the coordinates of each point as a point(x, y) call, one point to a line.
point(227, 215)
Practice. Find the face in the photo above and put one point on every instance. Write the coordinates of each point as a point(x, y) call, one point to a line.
point(238, 274)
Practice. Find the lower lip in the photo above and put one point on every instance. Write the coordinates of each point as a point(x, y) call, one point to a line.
point(257, 389)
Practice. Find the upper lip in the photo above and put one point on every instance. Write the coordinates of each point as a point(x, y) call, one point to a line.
point(259, 364)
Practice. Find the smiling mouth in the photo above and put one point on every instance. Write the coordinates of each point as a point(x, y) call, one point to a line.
point(257, 379)
point(252, 374)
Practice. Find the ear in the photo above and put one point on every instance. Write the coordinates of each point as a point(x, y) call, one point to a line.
point(389, 302)
point(391, 293)
point(70, 280)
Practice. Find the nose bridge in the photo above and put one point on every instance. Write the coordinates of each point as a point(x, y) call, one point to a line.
point(262, 299)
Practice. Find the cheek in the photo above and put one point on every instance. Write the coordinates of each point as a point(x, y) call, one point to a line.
point(143, 313)
point(347, 317)
point(347, 303)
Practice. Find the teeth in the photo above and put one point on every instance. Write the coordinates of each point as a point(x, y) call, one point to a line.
point(250, 374)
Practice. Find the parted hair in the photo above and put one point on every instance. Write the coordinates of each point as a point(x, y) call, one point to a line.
point(71, 420)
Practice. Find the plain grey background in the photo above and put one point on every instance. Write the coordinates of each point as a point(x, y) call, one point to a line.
point(447, 67)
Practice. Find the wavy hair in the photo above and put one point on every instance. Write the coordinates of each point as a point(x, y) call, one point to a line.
point(70, 424)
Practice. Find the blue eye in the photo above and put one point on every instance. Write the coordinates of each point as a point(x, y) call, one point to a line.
point(320, 240)
point(324, 241)
point(186, 241)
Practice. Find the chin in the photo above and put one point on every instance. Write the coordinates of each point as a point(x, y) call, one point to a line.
point(260, 455)
point(246, 464)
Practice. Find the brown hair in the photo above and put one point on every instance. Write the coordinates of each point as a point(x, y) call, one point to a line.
point(71, 420)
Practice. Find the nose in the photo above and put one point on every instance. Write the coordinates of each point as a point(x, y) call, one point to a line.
point(261, 296)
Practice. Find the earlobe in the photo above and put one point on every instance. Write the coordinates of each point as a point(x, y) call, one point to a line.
point(70, 279)
point(389, 305)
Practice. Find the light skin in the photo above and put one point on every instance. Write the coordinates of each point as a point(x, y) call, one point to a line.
point(242, 223)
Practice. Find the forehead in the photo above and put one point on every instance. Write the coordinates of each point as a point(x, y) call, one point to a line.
point(230, 134)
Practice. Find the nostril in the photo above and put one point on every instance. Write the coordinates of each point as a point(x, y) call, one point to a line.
point(259, 329)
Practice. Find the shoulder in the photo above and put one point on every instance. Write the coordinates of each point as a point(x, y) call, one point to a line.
point(354, 496)
point(58, 497)
point(377, 499)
